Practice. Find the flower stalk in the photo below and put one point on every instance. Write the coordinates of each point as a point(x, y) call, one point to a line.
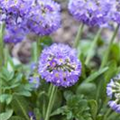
point(38, 47)
point(89, 56)
point(1, 45)
point(78, 36)
point(51, 101)
point(106, 55)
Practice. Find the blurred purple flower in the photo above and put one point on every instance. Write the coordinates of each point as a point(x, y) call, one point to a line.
point(59, 65)
point(90, 12)
point(114, 106)
point(40, 17)
point(113, 91)
point(44, 17)
point(32, 116)
point(14, 34)
point(33, 66)
point(35, 80)
point(13, 14)
point(114, 12)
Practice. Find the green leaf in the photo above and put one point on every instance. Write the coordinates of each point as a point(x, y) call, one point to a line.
point(42, 101)
point(8, 101)
point(68, 94)
point(46, 41)
point(6, 98)
point(11, 75)
point(58, 111)
point(118, 70)
point(115, 53)
point(19, 77)
point(6, 115)
point(37, 114)
point(10, 86)
point(93, 108)
point(23, 93)
point(87, 89)
point(21, 106)
point(84, 46)
point(100, 117)
point(93, 76)
point(16, 118)
point(112, 70)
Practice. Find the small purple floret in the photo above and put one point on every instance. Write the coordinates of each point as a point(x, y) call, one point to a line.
point(113, 91)
point(35, 80)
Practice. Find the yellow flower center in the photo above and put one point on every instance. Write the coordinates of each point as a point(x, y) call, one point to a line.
point(57, 75)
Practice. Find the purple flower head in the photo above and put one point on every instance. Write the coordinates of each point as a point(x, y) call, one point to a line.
point(59, 65)
point(32, 116)
point(13, 12)
point(16, 6)
point(113, 91)
point(90, 12)
point(114, 106)
point(14, 35)
point(44, 17)
point(11, 6)
point(114, 13)
point(35, 80)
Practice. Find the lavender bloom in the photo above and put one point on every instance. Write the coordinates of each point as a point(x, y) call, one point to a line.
point(13, 14)
point(44, 17)
point(59, 65)
point(33, 66)
point(14, 34)
point(35, 80)
point(16, 6)
point(90, 12)
point(40, 17)
point(114, 13)
point(113, 91)
point(32, 116)
point(14, 11)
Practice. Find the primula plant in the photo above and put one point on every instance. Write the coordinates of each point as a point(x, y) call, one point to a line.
point(78, 81)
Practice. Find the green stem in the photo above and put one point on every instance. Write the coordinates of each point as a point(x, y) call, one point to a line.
point(107, 114)
point(22, 108)
point(49, 90)
point(38, 47)
point(106, 55)
point(44, 109)
point(1, 45)
point(78, 36)
point(6, 54)
point(89, 56)
point(50, 104)
point(34, 52)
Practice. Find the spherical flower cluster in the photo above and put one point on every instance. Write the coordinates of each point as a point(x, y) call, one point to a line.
point(44, 17)
point(13, 14)
point(14, 34)
point(90, 12)
point(113, 91)
point(16, 7)
point(115, 11)
point(59, 65)
point(41, 17)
